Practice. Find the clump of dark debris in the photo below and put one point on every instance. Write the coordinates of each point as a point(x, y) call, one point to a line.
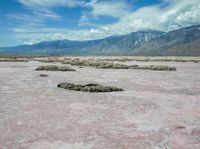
point(88, 87)
point(112, 66)
point(158, 68)
point(13, 60)
point(54, 68)
point(43, 75)
point(109, 65)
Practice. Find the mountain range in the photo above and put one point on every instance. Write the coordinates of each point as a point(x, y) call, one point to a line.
point(182, 42)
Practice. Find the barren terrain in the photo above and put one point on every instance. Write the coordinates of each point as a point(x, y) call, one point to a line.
point(156, 110)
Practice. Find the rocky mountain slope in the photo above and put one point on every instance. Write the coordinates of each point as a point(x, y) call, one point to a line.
point(185, 41)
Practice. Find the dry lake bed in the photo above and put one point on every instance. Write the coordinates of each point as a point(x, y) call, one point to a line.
point(156, 110)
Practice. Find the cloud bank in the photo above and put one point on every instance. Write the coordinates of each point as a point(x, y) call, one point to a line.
point(166, 16)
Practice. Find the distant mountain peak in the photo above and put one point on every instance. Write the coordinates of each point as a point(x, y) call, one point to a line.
point(184, 41)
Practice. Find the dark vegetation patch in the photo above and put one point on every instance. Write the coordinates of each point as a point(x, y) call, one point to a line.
point(112, 66)
point(83, 62)
point(150, 67)
point(156, 59)
point(13, 60)
point(43, 75)
point(54, 68)
point(109, 65)
point(95, 63)
point(157, 68)
point(74, 61)
point(47, 61)
point(51, 60)
point(88, 87)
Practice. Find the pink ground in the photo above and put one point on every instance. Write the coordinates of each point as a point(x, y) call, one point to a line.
point(157, 110)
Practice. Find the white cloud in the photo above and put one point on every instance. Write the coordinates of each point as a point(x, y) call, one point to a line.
point(85, 20)
point(111, 8)
point(174, 14)
point(42, 10)
point(33, 17)
point(178, 13)
point(97, 8)
point(35, 35)
point(51, 3)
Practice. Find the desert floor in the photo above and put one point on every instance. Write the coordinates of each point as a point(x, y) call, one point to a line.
point(156, 110)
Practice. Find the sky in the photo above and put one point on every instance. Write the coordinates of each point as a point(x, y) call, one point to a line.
point(34, 21)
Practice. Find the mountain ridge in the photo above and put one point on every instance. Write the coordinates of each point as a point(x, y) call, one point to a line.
point(184, 41)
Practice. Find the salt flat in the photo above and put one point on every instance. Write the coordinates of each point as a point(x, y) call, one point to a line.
point(156, 110)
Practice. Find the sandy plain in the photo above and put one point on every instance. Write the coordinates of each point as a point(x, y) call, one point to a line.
point(156, 110)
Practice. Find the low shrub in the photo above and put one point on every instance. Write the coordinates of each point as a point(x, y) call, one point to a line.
point(88, 87)
point(13, 60)
point(109, 65)
point(158, 68)
point(43, 75)
point(54, 68)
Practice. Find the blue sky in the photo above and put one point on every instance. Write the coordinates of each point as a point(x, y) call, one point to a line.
point(33, 21)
